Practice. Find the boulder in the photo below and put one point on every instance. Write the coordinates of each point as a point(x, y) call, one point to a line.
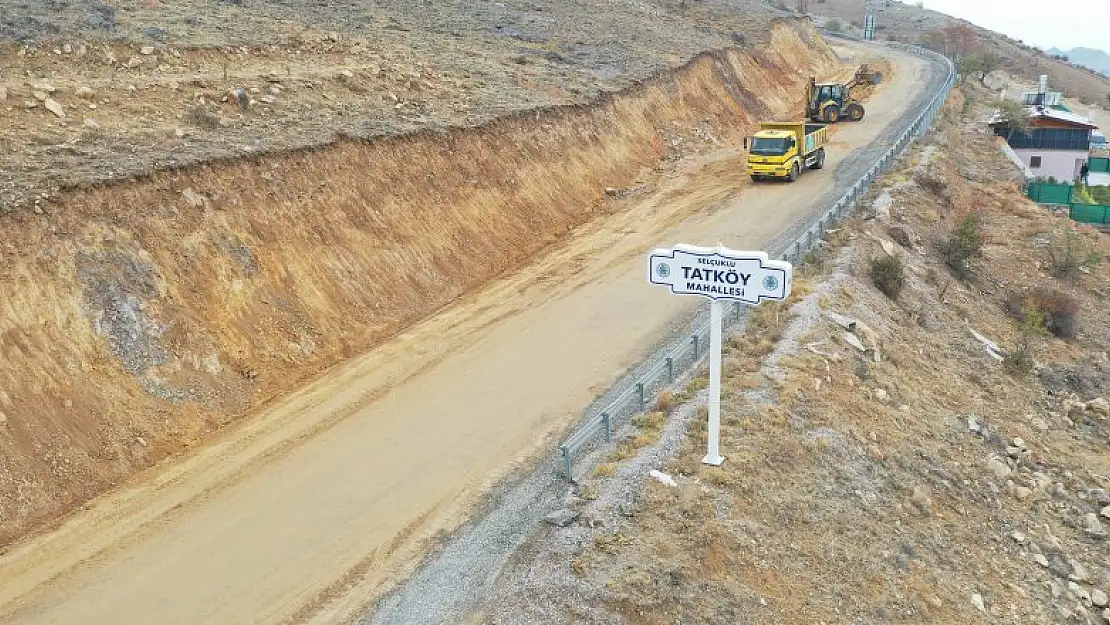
point(52, 105)
point(1092, 524)
point(193, 198)
point(562, 517)
point(999, 467)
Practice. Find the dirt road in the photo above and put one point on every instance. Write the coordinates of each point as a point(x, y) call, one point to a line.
point(330, 492)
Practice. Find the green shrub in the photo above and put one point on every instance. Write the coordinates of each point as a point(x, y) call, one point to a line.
point(1100, 195)
point(888, 275)
point(1070, 254)
point(1019, 363)
point(964, 243)
point(1046, 310)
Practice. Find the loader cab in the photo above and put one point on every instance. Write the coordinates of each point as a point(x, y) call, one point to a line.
point(830, 92)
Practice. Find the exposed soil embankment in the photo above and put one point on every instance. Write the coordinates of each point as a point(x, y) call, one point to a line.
point(140, 316)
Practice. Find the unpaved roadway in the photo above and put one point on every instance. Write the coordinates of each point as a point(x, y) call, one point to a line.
point(325, 497)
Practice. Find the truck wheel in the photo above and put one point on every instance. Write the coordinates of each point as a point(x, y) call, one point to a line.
point(832, 114)
point(755, 178)
point(793, 173)
point(855, 112)
point(820, 162)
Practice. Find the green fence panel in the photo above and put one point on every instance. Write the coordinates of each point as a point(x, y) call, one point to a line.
point(1090, 213)
point(1099, 164)
point(1048, 193)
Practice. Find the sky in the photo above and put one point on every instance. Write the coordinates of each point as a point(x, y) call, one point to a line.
point(1065, 24)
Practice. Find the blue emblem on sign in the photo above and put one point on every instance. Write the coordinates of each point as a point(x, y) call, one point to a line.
point(662, 270)
point(771, 283)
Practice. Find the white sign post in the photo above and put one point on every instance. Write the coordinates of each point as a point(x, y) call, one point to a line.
point(722, 275)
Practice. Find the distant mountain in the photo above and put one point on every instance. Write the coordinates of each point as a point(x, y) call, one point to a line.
point(1087, 57)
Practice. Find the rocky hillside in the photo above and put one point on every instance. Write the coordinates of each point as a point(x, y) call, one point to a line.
point(909, 23)
point(93, 91)
point(920, 436)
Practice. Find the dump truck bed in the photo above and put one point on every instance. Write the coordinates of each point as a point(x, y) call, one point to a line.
point(811, 137)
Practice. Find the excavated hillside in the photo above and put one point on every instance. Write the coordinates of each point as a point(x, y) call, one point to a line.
point(138, 317)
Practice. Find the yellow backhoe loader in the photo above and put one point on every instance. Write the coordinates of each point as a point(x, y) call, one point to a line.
point(833, 102)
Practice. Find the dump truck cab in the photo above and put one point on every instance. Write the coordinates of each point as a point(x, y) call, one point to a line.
point(783, 149)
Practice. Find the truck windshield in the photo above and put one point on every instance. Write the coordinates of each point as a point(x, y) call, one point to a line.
point(770, 147)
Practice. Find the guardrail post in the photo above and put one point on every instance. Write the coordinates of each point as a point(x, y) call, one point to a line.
point(568, 468)
point(695, 337)
point(640, 393)
point(670, 370)
point(607, 423)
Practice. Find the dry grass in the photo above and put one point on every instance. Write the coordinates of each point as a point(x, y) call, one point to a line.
point(651, 423)
point(199, 116)
point(665, 402)
point(698, 383)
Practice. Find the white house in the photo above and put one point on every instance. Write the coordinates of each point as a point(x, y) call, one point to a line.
point(1057, 146)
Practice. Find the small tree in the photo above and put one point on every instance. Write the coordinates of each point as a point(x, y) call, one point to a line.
point(964, 243)
point(955, 42)
point(1020, 361)
point(1014, 117)
point(1070, 254)
point(969, 66)
point(834, 26)
point(888, 275)
point(980, 66)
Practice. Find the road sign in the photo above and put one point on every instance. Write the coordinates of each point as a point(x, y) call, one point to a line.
point(869, 26)
point(721, 275)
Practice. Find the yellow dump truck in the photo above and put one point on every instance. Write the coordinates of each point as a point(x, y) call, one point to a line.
point(784, 149)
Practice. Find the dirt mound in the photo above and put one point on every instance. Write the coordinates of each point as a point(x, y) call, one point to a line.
point(137, 317)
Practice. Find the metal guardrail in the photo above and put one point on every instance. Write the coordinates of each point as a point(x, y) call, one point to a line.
point(642, 389)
